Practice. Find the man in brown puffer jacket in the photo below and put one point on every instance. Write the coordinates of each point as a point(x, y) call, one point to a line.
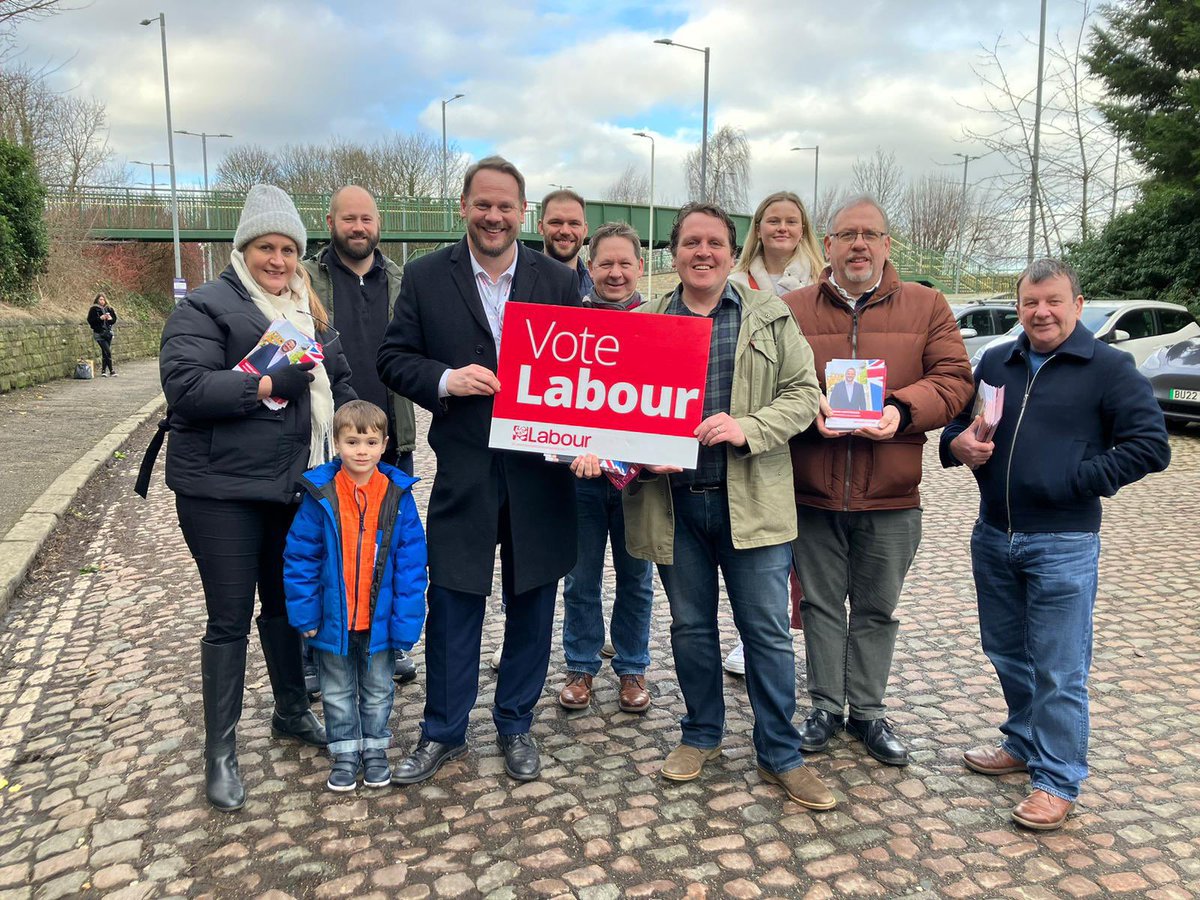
point(857, 503)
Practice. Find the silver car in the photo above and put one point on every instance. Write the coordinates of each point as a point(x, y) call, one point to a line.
point(1139, 327)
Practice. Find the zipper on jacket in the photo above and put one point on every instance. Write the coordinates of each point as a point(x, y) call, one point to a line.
point(362, 529)
point(849, 438)
point(1030, 378)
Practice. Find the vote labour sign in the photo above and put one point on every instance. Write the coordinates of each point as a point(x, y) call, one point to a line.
point(621, 385)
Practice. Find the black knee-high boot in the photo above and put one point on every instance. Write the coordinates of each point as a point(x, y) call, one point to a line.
point(281, 651)
point(223, 674)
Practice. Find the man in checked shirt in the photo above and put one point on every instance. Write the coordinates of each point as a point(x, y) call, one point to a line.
point(734, 511)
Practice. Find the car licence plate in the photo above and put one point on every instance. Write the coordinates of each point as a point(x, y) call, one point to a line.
point(1192, 396)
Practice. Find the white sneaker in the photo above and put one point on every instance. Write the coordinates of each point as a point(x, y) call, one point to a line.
point(495, 660)
point(735, 662)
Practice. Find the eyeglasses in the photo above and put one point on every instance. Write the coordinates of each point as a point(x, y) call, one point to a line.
point(849, 237)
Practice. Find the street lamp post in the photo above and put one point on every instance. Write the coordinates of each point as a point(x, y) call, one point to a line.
point(704, 124)
point(162, 21)
point(204, 136)
point(650, 254)
point(1037, 136)
point(962, 222)
point(153, 166)
point(444, 174)
point(816, 171)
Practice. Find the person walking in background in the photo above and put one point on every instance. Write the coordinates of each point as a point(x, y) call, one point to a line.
point(101, 318)
point(781, 254)
point(235, 467)
point(354, 574)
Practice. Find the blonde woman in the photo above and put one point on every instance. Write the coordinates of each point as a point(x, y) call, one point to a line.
point(782, 254)
point(235, 464)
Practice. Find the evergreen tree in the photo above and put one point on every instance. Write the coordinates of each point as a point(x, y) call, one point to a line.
point(1146, 56)
point(23, 244)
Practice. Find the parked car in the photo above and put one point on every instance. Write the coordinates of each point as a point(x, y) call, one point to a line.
point(1139, 327)
point(1174, 373)
point(980, 323)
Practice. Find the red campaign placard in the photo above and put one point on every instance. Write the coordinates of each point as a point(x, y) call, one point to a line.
point(621, 385)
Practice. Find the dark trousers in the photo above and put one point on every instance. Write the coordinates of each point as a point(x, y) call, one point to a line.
point(238, 547)
point(105, 342)
point(453, 628)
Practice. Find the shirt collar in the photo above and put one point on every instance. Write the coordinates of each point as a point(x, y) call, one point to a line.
point(847, 297)
point(728, 294)
point(477, 269)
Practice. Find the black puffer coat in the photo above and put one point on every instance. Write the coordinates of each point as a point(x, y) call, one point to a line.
point(224, 443)
point(97, 323)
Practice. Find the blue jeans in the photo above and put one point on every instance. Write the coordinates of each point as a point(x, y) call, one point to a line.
point(757, 583)
point(1036, 593)
point(356, 693)
point(600, 519)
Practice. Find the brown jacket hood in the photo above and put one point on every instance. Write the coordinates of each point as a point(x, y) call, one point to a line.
point(912, 329)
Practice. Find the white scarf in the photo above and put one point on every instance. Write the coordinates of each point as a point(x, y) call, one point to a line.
point(292, 305)
point(795, 275)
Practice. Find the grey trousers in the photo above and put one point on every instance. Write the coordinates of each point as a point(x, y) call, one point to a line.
point(863, 556)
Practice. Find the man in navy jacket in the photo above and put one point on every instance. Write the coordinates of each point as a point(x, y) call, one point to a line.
point(1079, 423)
point(441, 351)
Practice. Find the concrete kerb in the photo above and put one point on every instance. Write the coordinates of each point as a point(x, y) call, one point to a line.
point(20, 546)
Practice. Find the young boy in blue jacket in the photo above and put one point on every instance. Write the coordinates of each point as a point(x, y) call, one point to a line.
point(354, 577)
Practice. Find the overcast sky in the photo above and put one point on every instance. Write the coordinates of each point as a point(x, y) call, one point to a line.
point(559, 88)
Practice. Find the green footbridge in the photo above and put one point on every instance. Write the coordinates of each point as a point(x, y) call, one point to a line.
point(134, 214)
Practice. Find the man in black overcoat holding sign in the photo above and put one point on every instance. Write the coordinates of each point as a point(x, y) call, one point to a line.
point(440, 351)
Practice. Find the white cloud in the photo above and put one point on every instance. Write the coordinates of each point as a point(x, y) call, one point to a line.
point(545, 87)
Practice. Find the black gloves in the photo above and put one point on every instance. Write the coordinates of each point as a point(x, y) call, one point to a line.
point(290, 382)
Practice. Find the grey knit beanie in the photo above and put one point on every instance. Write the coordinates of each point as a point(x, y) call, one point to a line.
point(269, 210)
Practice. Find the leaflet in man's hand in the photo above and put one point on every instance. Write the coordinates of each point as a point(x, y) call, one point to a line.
point(989, 403)
point(854, 389)
point(282, 344)
point(618, 472)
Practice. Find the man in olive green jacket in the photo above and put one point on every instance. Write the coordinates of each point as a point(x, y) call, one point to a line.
point(734, 511)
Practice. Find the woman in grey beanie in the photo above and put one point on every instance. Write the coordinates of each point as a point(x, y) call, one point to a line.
point(234, 464)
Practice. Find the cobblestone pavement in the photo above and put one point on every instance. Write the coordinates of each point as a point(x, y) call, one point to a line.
point(100, 743)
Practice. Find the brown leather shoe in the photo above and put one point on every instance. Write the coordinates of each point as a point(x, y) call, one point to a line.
point(992, 761)
point(685, 763)
point(802, 785)
point(577, 692)
point(634, 697)
point(1041, 811)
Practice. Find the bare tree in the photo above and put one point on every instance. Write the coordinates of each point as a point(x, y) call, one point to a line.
point(245, 166)
point(880, 176)
point(1080, 170)
point(932, 212)
point(67, 133)
point(13, 11)
point(728, 170)
point(826, 203)
point(399, 165)
point(631, 186)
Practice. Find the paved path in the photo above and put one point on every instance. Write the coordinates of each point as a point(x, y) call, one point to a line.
point(47, 428)
point(100, 740)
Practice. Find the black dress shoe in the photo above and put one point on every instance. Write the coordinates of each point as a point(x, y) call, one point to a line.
point(521, 759)
point(818, 728)
point(426, 758)
point(879, 739)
